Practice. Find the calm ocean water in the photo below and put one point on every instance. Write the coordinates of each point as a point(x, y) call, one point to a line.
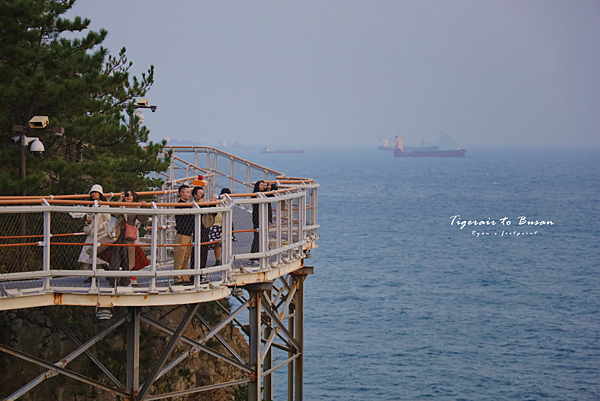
point(403, 305)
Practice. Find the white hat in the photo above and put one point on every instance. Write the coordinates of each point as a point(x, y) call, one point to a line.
point(97, 188)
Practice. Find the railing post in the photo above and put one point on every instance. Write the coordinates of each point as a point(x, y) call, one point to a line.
point(278, 211)
point(214, 183)
point(153, 247)
point(94, 279)
point(226, 241)
point(301, 221)
point(231, 174)
point(248, 182)
point(290, 226)
point(197, 245)
point(46, 255)
point(263, 232)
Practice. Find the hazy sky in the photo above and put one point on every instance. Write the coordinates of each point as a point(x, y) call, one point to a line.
point(484, 72)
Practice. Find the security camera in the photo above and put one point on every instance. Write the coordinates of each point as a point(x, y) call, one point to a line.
point(143, 102)
point(39, 122)
point(37, 147)
point(153, 108)
point(58, 131)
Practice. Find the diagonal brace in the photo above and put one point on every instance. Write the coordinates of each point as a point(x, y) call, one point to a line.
point(62, 371)
point(64, 361)
point(284, 330)
point(197, 345)
point(167, 351)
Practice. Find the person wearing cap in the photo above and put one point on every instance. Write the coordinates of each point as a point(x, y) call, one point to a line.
point(96, 194)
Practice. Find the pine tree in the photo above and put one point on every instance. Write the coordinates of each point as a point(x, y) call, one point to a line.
point(80, 87)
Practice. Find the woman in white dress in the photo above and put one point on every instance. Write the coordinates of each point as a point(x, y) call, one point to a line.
point(96, 193)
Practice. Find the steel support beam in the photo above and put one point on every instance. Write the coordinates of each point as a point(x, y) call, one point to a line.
point(73, 338)
point(167, 351)
point(197, 346)
point(220, 339)
point(255, 291)
point(133, 350)
point(197, 390)
point(62, 371)
point(299, 276)
point(64, 361)
point(268, 360)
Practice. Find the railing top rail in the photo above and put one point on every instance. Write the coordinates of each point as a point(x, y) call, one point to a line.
point(215, 150)
point(82, 196)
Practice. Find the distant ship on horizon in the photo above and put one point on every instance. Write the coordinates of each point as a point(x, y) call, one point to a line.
point(237, 145)
point(267, 150)
point(384, 145)
point(426, 151)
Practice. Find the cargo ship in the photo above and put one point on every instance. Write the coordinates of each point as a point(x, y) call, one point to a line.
point(399, 151)
point(267, 150)
point(384, 145)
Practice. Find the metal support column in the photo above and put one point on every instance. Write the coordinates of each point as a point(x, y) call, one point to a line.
point(299, 276)
point(255, 291)
point(290, 391)
point(133, 351)
point(268, 361)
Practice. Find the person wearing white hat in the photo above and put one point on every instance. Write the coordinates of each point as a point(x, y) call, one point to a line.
point(96, 194)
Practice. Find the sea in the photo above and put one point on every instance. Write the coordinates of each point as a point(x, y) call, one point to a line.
point(473, 278)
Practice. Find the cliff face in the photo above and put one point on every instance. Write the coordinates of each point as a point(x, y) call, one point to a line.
point(33, 332)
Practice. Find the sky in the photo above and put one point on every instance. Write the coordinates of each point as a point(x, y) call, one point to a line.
point(487, 73)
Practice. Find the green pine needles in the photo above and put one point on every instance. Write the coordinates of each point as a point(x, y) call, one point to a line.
point(80, 87)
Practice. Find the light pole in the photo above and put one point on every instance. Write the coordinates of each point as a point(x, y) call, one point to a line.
point(37, 123)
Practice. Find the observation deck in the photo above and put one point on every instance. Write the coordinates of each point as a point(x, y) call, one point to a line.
point(41, 242)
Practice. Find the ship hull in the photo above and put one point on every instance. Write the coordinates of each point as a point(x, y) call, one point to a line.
point(436, 153)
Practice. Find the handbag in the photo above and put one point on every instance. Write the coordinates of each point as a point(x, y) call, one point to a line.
point(111, 229)
point(219, 219)
point(208, 220)
point(131, 232)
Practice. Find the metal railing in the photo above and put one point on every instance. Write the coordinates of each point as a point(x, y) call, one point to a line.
point(41, 239)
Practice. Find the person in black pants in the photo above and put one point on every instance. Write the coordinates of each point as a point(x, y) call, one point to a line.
point(260, 186)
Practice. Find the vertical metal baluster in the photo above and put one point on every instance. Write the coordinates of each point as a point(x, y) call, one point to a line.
point(94, 279)
point(46, 255)
point(153, 247)
point(197, 246)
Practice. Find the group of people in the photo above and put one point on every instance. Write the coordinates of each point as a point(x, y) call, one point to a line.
point(123, 230)
point(210, 233)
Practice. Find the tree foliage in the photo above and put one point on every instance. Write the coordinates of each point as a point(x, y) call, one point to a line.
point(46, 70)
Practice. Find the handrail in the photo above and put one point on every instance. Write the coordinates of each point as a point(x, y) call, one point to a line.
point(280, 243)
point(215, 150)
